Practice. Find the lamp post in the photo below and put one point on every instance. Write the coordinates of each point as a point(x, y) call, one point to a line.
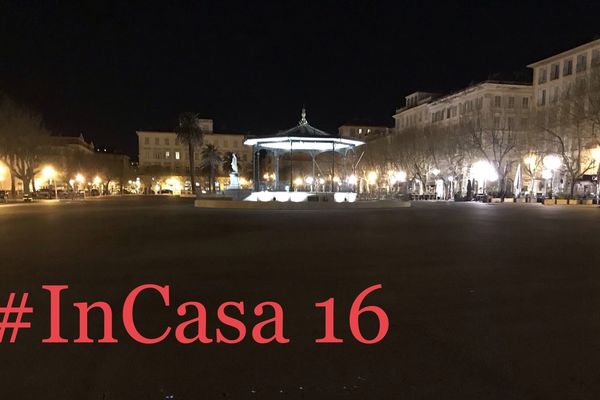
point(552, 163)
point(80, 180)
point(49, 173)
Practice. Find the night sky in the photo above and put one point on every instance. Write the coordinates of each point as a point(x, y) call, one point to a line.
point(108, 69)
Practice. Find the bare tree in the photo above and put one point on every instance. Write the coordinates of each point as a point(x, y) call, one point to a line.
point(23, 141)
point(494, 138)
point(568, 130)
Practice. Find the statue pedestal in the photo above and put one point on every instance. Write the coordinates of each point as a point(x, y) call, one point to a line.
point(234, 181)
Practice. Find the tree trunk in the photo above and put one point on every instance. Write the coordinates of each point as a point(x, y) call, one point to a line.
point(192, 171)
point(26, 183)
point(212, 180)
point(13, 187)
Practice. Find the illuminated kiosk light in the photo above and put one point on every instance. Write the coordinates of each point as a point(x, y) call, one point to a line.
point(282, 196)
point(298, 197)
point(341, 197)
point(264, 196)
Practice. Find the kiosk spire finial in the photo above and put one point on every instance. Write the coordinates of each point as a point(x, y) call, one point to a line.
point(303, 121)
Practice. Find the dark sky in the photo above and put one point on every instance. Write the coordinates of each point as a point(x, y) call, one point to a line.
point(106, 69)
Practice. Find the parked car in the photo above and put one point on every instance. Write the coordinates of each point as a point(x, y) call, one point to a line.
point(3, 196)
point(166, 191)
point(94, 192)
point(27, 198)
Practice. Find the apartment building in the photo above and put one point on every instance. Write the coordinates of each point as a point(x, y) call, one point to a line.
point(415, 113)
point(554, 75)
point(506, 104)
point(163, 149)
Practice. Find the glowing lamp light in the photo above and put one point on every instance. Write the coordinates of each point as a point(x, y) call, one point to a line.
point(298, 181)
point(435, 171)
point(97, 180)
point(552, 162)
point(530, 161)
point(546, 174)
point(309, 180)
point(396, 176)
point(352, 180)
point(79, 178)
point(484, 171)
point(336, 179)
point(321, 181)
point(48, 172)
point(372, 178)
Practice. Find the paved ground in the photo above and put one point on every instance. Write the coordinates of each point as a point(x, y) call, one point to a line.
point(485, 301)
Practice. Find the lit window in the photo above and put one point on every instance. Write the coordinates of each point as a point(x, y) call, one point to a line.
point(177, 155)
point(359, 131)
point(167, 154)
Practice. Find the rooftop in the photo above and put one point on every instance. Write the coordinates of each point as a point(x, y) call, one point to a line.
point(565, 53)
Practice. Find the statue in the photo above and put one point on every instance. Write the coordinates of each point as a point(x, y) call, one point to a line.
point(234, 166)
point(234, 181)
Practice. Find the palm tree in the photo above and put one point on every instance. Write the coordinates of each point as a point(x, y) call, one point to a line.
point(190, 133)
point(211, 160)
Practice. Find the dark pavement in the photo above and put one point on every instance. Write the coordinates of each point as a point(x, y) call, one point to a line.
point(485, 301)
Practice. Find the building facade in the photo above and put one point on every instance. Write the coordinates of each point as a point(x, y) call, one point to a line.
point(363, 132)
point(556, 74)
point(507, 104)
point(161, 153)
point(568, 84)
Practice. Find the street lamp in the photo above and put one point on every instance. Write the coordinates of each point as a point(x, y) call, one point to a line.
point(483, 171)
point(49, 173)
point(552, 163)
